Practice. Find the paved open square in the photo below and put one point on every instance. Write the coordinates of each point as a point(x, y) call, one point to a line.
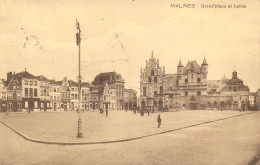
point(235, 140)
point(118, 125)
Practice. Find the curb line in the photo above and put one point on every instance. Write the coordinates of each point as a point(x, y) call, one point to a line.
point(114, 141)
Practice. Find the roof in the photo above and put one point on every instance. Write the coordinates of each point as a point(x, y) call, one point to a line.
point(213, 83)
point(253, 94)
point(130, 90)
point(180, 64)
point(108, 77)
point(171, 78)
point(204, 62)
point(55, 82)
point(192, 65)
point(24, 74)
point(42, 78)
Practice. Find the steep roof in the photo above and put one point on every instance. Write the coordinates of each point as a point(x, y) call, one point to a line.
point(192, 65)
point(24, 74)
point(171, 80)
point(108, 77)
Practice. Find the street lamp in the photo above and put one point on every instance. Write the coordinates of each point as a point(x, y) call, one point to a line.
point(78, 39)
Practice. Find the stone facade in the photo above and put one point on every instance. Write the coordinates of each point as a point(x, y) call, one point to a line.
point(189, 88)
point(152, 80)
point(24, 91)
point(115, 81)
point(130, 99)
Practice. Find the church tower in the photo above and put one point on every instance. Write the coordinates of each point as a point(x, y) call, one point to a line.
point(204, 66)
point(180, 68)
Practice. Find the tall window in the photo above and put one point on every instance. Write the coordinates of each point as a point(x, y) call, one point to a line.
point(35, 92)
point(19, 106)
point(144, 91)
point(186, 93)
point(25, 82)
point(155, 79)
point(198, 93)
point(152, 72)
point(149, 79)
point(35, 83)
point(186, 80)
point(155, 92)
point(26, 92)
point(14, 95)
point(31, 92)
point(161, 89)
point(198, 79)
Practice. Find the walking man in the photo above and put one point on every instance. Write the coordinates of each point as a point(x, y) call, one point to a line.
point(106, 112)
point(159, 121)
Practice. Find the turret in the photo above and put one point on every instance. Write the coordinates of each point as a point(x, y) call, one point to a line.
point(180, 68)
point(234, 75)
point(204, 66)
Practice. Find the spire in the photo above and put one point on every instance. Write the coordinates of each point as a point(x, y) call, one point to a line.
point(180, 64)
point(152, 54)
point(204, 62)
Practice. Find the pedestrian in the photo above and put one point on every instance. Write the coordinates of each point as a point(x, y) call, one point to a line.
point(148, 112)
point(106, 112)
point(159, 121)
point(221, 108)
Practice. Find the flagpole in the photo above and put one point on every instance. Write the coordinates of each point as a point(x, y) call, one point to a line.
point(79, 81)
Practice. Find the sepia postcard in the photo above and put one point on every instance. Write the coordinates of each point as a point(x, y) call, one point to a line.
point(133, 82)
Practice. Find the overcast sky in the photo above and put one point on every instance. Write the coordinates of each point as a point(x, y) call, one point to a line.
point(119, 36)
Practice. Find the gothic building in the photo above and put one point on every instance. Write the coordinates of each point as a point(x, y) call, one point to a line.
point(152, 80)
point(189, 88)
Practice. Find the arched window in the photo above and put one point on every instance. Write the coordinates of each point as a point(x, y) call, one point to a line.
point(149, 79)
point(152, 72)
point(155, 79)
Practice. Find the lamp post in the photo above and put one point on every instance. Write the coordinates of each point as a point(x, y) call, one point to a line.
point(78, 40)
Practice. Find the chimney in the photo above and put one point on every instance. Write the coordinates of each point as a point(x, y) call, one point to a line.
point(9, 76)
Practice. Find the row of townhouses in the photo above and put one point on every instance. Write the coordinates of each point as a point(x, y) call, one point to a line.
point(190, 89)
point(24, 91)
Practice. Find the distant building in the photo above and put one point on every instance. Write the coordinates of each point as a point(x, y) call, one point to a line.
point(253, 96)
point(152, 80)
point(3, 96)
point(14, 93)
point(189, 88)
point(115, 81)
point(85, 98)
point(130, 99)
point(55, 95)
point(65, 94)
point(258, 99)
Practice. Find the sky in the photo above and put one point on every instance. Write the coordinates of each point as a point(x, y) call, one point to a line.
point(120, 36)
